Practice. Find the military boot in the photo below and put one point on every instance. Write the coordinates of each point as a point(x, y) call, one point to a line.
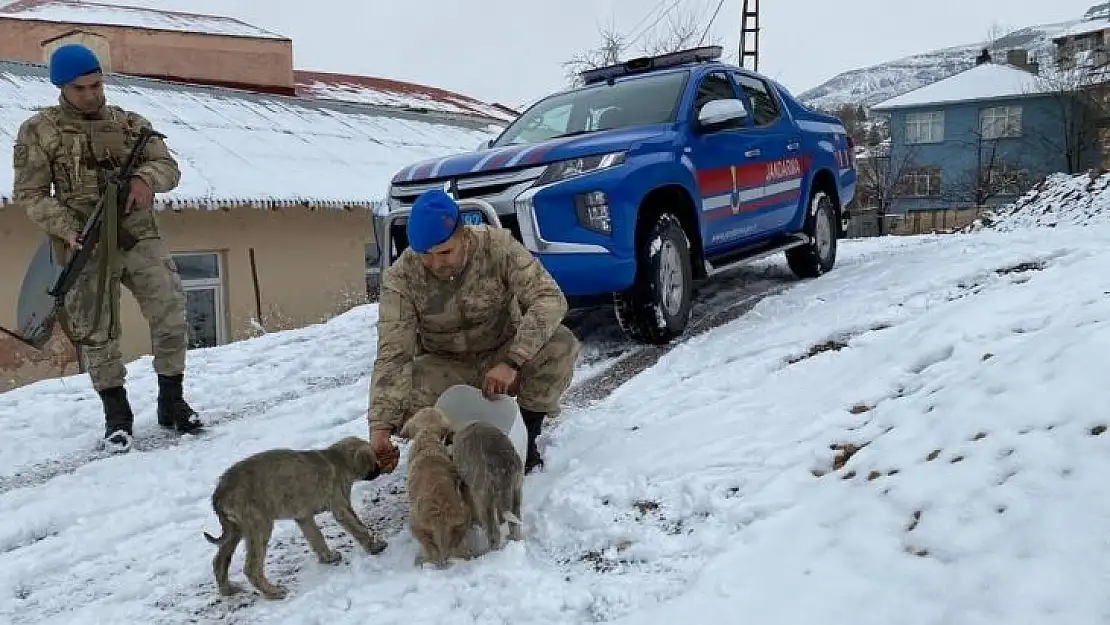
point(173, 411)
point(118, 420)
point(533, 423)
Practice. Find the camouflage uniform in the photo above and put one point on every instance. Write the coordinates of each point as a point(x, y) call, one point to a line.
point(433, 334)
point(74, 152)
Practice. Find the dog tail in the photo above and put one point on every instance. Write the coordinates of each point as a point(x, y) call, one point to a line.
point(227, 526)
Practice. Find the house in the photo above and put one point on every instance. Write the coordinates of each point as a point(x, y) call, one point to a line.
point(979, 137)
point(271, 222)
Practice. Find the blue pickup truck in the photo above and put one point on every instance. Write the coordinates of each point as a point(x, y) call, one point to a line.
point(655, 174)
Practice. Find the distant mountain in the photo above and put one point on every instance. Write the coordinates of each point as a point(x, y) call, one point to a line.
point(874, 84)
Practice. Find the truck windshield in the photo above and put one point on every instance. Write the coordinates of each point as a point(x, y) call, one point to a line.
point(639, 101)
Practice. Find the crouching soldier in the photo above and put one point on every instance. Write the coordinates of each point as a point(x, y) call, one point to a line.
point(466, 305)
point(74, 147)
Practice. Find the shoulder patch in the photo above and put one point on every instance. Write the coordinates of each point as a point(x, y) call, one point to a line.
point(19, 158)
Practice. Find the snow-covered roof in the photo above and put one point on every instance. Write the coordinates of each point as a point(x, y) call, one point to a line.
point(74, 12)
point(386, 92)
point(989, 81)
point(243, 148)
point(1085, 27)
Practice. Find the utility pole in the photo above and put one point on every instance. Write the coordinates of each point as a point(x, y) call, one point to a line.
point(749, 34)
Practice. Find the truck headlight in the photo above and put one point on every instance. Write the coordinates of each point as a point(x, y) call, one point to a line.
point(569, 168)
point(593, 212)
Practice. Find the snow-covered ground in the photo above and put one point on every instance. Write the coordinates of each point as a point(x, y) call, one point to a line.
point(914, 438)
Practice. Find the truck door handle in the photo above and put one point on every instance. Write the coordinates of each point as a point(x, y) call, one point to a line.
point(752, 153)
point(792, 146)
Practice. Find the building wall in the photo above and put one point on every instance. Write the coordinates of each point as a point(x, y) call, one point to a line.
point(1038, 150)
point(192, 57)
point(310, 265)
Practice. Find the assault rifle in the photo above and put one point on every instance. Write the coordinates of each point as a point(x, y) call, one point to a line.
point(37, 306)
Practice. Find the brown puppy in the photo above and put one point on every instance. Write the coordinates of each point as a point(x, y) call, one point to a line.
point(288, 484)
point(493, 474)
point(439, 517)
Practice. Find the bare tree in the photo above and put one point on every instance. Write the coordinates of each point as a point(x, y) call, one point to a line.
point(607, 53)
point(683, 29)
point(1077, 87)
point(880, 178)
point(991, 176)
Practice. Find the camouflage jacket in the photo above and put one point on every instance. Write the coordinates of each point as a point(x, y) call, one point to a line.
point(62, 147)
point(502, 299)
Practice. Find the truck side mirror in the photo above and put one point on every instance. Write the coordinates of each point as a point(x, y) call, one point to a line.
point(718, 114)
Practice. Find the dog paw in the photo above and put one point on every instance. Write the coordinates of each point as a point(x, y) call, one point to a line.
point(275, 592)
point(331, 557)
point(375, 546)
point(230, 589)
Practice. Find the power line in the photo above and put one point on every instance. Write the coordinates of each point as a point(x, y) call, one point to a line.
point(653, 24)
point(646, 16)
point(711, 20)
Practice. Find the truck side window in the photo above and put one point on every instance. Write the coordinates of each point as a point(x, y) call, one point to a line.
point(764, 109)
point(714, 86)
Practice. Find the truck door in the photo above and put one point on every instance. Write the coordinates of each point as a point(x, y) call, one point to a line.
point(780, 146)
point(727, 169)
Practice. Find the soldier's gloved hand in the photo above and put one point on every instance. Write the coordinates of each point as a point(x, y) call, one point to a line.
point(498, 381)
point(140, 196)
point(384, 450)
point(73, 240)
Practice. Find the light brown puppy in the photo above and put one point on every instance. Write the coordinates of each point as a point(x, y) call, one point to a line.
point(493, 474)
point(288, 484)
point(439, 517)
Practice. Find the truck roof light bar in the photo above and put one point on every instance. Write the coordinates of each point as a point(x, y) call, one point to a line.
point(648, 63)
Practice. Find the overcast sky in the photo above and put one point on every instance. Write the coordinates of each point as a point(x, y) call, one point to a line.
point(511, 51)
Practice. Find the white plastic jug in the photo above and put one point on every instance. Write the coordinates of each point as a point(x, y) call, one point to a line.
point(463, 403)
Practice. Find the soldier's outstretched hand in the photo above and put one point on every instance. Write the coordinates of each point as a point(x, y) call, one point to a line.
point(384, 450)
point(498, 381)
point(140, 196)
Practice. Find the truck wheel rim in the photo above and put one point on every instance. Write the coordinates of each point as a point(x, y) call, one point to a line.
point(823, 234)
point(670, 274)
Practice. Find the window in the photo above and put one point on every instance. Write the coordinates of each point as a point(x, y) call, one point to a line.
point(925, 127)
point(998, 122)
point(632, 101)
point(715, 86)
point(764, 109)
point(923, 182)
point(1005, 180)
point(202, 278)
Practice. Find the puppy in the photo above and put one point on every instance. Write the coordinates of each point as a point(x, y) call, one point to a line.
point(439, 517)
point(288, 484)
point(493, 474)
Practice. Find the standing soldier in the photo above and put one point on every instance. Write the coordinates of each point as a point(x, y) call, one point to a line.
point(75, 146)
point(466, 305)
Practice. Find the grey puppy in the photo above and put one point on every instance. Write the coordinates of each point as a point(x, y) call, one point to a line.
point(493, 474)
point(288, 484)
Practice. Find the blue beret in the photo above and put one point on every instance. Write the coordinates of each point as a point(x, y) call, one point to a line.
point(71, 61)
point(434, 218)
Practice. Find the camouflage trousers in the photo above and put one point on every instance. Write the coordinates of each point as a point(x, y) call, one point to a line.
point(540, 384)
point(149, 273)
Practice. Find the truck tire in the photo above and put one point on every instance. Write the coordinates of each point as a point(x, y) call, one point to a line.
point(819, 255)
point(656, 309)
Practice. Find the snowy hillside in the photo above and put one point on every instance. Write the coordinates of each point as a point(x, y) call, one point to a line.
point(1059, 200)
point(909, 439)
point(871, 85)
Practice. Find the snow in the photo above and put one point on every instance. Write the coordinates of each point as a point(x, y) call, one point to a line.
point(982, 82)
point(1060, 199)
point(957, 370)
point(236, 147)
point(380, 92)
point(877, 83)
point(69, 12)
